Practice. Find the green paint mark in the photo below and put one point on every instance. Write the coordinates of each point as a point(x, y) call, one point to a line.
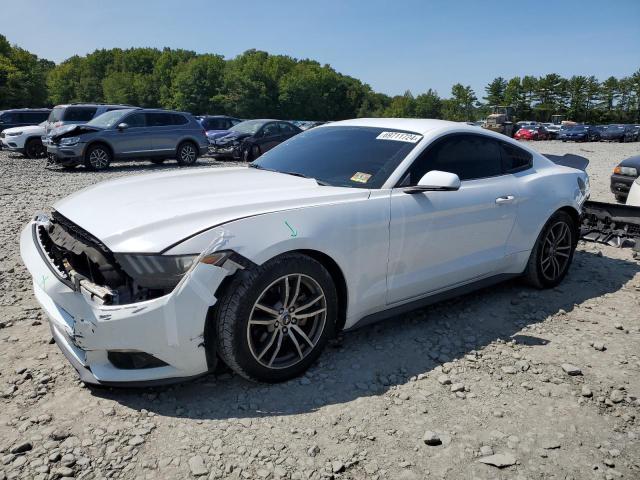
point(294, 232)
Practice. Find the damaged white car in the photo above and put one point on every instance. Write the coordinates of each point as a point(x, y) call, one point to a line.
point(339, 226)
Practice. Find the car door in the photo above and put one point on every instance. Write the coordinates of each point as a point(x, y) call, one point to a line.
point(161, 132)
point(269, 136)
point(132, 141)
point(448, 238)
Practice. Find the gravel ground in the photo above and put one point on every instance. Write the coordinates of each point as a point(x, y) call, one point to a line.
point(508, 382)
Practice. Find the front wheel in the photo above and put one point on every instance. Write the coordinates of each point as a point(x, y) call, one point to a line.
point(273, 321)
point(98, 157)
point(553, 251)
point(34, 148)
point(187, 154)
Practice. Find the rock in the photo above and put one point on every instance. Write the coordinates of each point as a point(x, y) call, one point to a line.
point(499, 460)
point(586, 391)
point(486, 450)
point(616, 396)
point(21, 447)
point(571, 369)
point(457, 387)
point(197, 466)
point(337, 467)
point(599, 346)
point(509, 369)
point(551, 445)
point(444, 380)
point(135, 441)
point(59, 434)
point(618, 326)
point(431, 438)
point(313, 451)
point(68, 460)
point(64, 472)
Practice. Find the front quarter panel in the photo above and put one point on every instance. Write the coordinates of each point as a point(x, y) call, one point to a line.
point(354, 233)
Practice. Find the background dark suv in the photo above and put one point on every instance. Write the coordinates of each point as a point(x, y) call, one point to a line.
point(21, 117)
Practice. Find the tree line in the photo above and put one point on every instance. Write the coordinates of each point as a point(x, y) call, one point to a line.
point(257, 84)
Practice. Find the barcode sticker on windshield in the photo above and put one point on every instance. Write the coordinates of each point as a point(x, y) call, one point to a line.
point(400, 137)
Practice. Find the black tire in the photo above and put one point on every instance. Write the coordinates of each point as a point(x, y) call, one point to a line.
point(187, 154)
point(621, 198)
point(158, 161)
point(97, 157)
point(238, 345)
point(34, 148)
point(69, 167)
point(541, 272)
point(247, 154)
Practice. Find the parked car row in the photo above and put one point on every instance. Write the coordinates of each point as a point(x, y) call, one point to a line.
point(577, 132)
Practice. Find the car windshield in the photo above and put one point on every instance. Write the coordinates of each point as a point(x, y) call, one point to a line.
point(250, 127)
point(56, 114)
point(359, 157)
point(108, 119)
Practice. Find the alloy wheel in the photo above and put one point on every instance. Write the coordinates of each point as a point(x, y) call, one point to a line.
point(287, 321)
point(188, 154)
point(556, 251)
point(99, 158)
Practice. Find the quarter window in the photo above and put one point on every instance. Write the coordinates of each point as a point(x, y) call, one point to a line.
point(177, 119)
point(515, 159)
point(468, 156)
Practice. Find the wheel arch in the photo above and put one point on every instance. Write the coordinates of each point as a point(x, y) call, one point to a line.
point(575, 216)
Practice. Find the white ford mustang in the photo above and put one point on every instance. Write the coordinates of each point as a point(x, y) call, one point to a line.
point(151, 278)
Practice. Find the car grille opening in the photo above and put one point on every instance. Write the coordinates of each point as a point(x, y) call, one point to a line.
point(134, 360)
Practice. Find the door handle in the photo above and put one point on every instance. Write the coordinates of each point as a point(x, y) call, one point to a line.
point(505, 199)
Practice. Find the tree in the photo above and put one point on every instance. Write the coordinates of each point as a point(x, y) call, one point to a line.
point(402, 106)
point(428, 105)
point(496, 91)
point(197, 83)
point(460, 107)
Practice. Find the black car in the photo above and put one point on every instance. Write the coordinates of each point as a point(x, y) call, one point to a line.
point(217, 126)
point(620, 133)
point(248, 140)
point(623, 177)
point(22, 117)
point(579, 133)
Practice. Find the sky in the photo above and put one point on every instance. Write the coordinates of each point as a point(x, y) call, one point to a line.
point(393, 46)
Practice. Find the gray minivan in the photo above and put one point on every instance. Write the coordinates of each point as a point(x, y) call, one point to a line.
point(128, 134)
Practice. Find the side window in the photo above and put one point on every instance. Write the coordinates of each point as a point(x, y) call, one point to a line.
point(234, 123)
point(79, 114)
point(270, 129)
point(135, 120)
point(159, 119)
point(39, 117)
point(286, 128)
point(514, 159)
point(468, 156)
point(8, 117)
point(177, 119)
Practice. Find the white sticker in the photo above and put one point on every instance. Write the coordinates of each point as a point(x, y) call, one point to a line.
point(400, 137)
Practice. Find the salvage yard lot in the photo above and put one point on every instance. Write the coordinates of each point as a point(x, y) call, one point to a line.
point(423, 395)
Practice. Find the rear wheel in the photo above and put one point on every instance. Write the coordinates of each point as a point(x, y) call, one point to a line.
point(553, 252)
point(187, 154)
point(97, 157)
point(621, 199)
point(34, 148)
point(273, 321)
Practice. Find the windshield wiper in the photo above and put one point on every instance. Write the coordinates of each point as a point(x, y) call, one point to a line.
point(295, 174)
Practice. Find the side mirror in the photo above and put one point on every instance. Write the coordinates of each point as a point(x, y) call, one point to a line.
point(436, 181)
point(123, 126)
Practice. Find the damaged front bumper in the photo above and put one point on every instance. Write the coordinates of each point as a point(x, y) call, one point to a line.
point(167, 330)
point(65, 155)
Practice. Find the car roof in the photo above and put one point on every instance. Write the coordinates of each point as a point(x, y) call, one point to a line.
point(120, 105)
point(417, 125)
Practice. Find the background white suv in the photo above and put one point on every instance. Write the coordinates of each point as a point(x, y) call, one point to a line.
point(26, 140)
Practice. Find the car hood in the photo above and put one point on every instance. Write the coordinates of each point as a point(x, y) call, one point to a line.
point(71, 129)
point(148, 213)
point(213, 134)
point(37, 129)
point(631, 162)
point(230, 137)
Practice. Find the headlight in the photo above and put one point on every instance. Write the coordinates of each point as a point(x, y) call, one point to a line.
point(164, 271)
point(68, 141)
point(629, 171)
point(13, 134)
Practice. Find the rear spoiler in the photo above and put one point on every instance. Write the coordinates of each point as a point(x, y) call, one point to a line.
point(570, 160)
